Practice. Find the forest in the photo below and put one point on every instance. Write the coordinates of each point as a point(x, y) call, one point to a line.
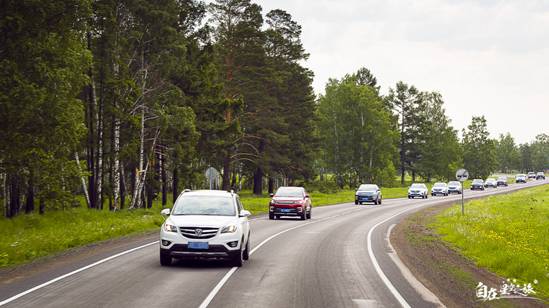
point(118, 103)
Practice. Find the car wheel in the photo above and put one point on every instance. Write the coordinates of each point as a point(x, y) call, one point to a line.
point(271, 216)
point(379, 201)
point(356, 202)
point(304, 215)
point(310, 213)
point(165, 258)
point(238, 259)
point(375, 202)
point(246, 255)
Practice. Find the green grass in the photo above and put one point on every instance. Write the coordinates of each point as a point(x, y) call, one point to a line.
point(28, 237)
point(507, 234)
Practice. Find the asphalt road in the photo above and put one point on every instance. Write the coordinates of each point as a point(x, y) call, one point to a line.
point(323, 262)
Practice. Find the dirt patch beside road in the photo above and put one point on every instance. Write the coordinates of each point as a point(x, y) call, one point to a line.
point(443, 270)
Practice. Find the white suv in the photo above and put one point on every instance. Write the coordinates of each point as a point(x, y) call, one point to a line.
point(205, 224)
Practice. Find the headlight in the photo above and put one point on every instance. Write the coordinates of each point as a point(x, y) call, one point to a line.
point(229, 229)
point(170, 228)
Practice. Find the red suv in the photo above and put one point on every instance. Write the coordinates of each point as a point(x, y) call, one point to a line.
point(290, 201)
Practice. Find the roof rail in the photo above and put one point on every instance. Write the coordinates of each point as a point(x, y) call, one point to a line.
point(186, 190)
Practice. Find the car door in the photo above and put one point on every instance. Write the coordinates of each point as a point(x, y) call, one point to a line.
point(244, 221)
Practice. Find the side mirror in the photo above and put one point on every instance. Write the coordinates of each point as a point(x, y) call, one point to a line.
point(307, 196)
point(165, 213)
point(245, 213)
point(271, 195)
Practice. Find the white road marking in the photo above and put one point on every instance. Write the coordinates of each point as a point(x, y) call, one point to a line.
point(365, 303)
point(228, 275)
point(47, 283)
point(420, 288)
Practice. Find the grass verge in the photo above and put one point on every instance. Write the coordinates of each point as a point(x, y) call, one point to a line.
point(506, 234)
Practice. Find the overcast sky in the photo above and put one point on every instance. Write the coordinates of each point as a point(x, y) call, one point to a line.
point(485, 57)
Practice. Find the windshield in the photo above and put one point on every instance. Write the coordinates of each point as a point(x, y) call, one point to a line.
point(477, 181)
point(453, 183)
point(368, 187)
point(293, 192)
point(204, 205)
point(440, 185)
point(418, 186)
point(502, 178)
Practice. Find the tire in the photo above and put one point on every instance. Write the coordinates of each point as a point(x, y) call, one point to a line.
point(380, 200)
point(375, 202)
point(165, 258)
point(246, 255)
point(271, 216)
point(277, 216)
point(310, 213)
point(304, 215)
point(356, 202)
point(238, 260)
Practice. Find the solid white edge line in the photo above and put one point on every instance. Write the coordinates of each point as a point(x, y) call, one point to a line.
point(380, 273)
point(228, 275)
point(6, 301)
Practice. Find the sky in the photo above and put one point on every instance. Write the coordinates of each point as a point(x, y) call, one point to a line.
point(485, 57)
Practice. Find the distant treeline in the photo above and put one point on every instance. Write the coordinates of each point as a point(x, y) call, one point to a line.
point(123, 102)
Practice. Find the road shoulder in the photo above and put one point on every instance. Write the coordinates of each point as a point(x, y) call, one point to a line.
point(441, 269)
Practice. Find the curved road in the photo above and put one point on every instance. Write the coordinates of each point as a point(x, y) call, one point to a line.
point(339, 258)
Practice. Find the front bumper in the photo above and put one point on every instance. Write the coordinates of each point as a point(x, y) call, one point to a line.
point(454, 191)
point(477, 187)
point(218, 246)
point(416, 194)
point(371, 198)
point(181, 251)
point(439, 192)
point(286, 211)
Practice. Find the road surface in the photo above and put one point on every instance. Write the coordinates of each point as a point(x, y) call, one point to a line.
point(339, 258)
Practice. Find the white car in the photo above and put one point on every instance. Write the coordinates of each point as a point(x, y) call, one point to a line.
point(418, 190)
point(209, 224)
point(439, 189)
point(455, 187)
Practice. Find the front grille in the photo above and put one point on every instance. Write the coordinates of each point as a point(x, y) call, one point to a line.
point(198, 232)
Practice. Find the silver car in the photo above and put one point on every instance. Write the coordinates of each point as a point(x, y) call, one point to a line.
point(439, 189)
point(455, 187)
point(418, 190)
point(368, 193)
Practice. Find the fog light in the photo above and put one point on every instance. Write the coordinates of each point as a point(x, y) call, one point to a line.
point(233, 244)
point(166, 243)
point(299, 209)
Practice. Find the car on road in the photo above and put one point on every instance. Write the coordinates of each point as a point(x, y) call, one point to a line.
point(540, 176)
point(502, 181)
point(477, 184)
point(439, 189)
point(418, 190)
point(521, 178)
point(491, 182)
point(205, 224)
point(290, 201)
point(368, 193)
point(455, 187)
point(531, 175)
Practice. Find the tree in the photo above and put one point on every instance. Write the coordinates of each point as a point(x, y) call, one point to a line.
point(507, 153)
point(43, 59)
point(540, 153)
point(357, 133)
point(479, 151)
point(405, 101)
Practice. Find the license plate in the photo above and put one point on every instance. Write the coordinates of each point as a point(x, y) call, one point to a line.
point(198, 245)
point(284, 210)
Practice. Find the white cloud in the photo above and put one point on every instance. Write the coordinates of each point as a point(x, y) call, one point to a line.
point(485, 57)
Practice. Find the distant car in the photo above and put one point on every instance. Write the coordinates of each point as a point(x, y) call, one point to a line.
point(490, 182)
point(418, 190)
point(205, 224)
point(454, 187)
point(531, 175)
point(439, 189)
point(290, 201)
point(368, 193)
point(521, 178)
point(502, 181)
point(540, 176)
point(477, 184)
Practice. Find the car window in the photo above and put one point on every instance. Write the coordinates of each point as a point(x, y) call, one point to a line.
point(239, 204)
point(440, 185)
point(294, 192)
point(453, 183)
point(204, 205)
point(368, 187)
point(418, 186)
